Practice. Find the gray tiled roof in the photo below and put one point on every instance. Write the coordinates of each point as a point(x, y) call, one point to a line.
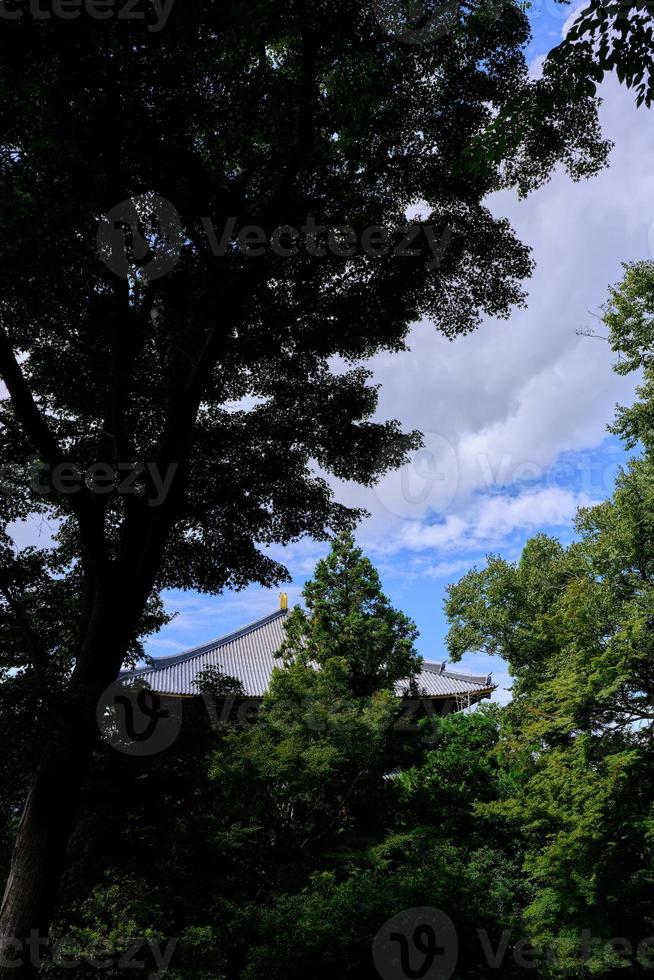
point(249, 655)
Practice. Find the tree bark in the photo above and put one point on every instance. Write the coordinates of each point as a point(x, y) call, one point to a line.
point(39, 855)
point(48, 819)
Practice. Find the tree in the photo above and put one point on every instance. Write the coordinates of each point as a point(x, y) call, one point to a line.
point(169, 425)
point(348, 617)
point(405, 850)
point(606, 37)
point(38, 608)
point(575, 625)
point(326, 736)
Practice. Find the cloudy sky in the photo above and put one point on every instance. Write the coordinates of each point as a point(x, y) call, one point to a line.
point(514, 416)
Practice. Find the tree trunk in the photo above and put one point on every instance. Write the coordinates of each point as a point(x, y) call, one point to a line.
point(39, 855)
point(48, 819)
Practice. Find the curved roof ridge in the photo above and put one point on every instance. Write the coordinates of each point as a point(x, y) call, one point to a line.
point(472, 678)
point(159, 663)
point(434, 668)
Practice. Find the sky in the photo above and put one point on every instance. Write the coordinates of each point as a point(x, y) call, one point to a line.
point(514, 415)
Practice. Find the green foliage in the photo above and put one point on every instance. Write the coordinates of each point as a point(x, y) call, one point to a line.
point(328, 928)
point(629, 315)
point(451, 780)
point(606, 37)
point(575, 625)
point(324, 738)
point(418, 853)
point(349, 618)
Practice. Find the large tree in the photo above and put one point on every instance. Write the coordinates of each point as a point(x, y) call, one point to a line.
point(234, 381)
point(575, 625)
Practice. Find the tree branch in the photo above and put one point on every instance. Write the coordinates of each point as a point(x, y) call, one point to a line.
point(38, 434)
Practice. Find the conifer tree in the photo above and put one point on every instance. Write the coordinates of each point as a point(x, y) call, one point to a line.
point(348, 616)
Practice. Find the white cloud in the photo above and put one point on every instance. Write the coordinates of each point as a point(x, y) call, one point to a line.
point(575, 10)
point(449, 569)
point(491, 520)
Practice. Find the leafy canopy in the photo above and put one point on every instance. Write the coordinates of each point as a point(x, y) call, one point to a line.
point(575, 625)
point(221, 373)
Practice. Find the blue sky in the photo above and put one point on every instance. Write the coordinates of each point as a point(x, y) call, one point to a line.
point(514, 415)
point(547, 19)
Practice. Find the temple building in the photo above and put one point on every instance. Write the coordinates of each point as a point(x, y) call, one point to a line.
point(249, 655)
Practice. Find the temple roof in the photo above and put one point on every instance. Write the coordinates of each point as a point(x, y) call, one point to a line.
point(248, 654)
